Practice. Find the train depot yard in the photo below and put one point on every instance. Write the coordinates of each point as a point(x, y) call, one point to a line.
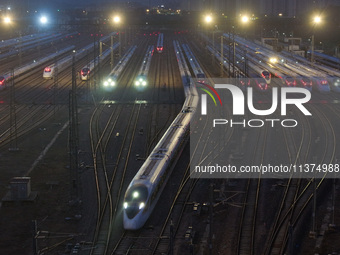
point(167, 131)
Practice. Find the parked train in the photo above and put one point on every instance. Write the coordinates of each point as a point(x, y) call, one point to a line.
point(23, 69)
point(87, 69)
point(111, 80)
point(50, 71)
point(146, 187)
point(141, 80)
point(322, 85)
point(160, 43)
point(290, 74)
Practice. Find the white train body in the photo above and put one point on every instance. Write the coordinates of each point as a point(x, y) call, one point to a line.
point(148, 184)
point(111, 80)
point(23, 69)
point(141, 80)
point(146, 187)
point(51, 71)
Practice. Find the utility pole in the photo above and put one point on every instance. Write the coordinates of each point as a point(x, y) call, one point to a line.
point(73, 136)
point(35, 244)
point(12, 117)
point(171, 238)
point(222, 56)
point(210, 217)
point(111, 52)
point(120, 44)
point(55, 86)
point(233, 52)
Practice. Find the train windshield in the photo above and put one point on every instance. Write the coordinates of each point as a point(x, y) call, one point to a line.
point(266, 74)
point(135, 200)
point(306, 81)
point(85, 70)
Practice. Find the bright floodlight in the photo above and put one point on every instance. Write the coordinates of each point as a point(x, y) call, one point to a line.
point(208, 19)
point(244, 19)
point(7, 20)
point(116, 19)
point(317, 19)
point(43, 20)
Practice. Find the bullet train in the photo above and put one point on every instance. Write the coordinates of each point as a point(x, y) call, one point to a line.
point(306, 82)
point(111, 80)
point(160, 43)
point(49, 72)
point(141, 80)
point(322, 85)
point(146, 187)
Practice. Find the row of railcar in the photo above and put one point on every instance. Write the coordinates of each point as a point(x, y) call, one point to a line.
point(294, 70)
point(5, 78)
point(50, 71)
point(196, 68)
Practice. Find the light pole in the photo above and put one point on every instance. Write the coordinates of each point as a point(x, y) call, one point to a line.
point(243, 20)
point(316, 20)
point(43, 22)
point(117, 20)
point(208, 20)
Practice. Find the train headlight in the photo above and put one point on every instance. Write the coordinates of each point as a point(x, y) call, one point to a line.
point(135, 194)
point(137, 83)
point(113, 83)
point(125, 205)
point(273, 60)
point(144, 83)
point(337, 82)
point(141, 205)
point(106, 84)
